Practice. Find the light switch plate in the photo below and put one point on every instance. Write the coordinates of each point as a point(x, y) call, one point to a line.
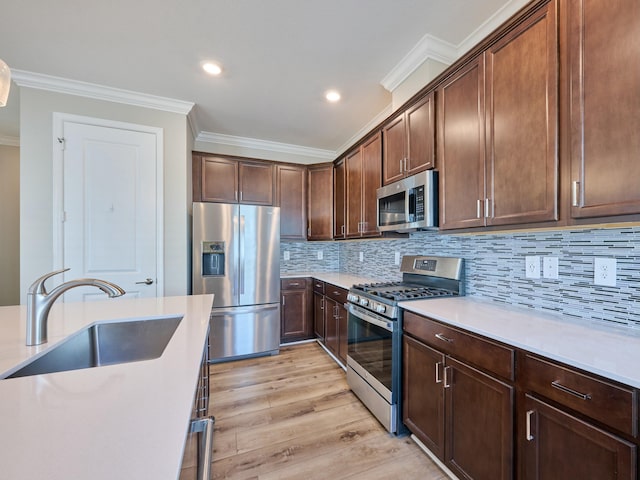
point(287, 255)
point(550, 267)
point(532, 266)
point(320, 255)
point(604, 271)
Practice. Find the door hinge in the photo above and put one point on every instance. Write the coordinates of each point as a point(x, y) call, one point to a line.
point(63, 217)
point(62, 142)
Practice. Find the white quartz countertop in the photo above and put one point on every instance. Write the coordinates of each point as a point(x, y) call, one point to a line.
point(343, 280)
point(611, 351)
point(112, 422)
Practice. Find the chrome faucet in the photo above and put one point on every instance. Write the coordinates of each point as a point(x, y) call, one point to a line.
point(39, 302)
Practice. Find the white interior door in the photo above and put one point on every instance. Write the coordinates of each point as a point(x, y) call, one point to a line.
point(110, 209)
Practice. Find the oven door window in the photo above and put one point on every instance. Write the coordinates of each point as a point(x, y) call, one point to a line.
point(370, 346)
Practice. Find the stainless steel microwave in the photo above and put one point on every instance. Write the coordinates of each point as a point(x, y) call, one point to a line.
point(409, 204)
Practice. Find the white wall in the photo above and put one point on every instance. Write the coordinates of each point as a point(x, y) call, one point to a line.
point(9, 225)
point(36, 189)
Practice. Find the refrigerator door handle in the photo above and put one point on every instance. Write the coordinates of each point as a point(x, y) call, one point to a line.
point(247, 309)
point(241, 265)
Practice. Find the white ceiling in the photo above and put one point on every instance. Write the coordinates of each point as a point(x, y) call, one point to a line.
point(279, 56)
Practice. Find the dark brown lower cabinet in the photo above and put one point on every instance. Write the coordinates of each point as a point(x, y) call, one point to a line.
point(332, 334)
point(335, 322)
point(464, 416)
point(558, 445)
point(295, 310)
point(479, 423)
point(319, 316)
point(423, 395)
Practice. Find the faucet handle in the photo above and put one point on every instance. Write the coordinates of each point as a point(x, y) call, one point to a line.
point(38, 285)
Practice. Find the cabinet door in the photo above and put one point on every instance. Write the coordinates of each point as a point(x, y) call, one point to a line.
point(292, 196)
point(320, 203)
point(331, 338)
point(423, 395)
point(343, 332)
point(393, 157)
point(371, 171)
point(558, 445)
point(318, 315)
point(353, 193)
point(461, 147)
point(605, 125)
point(339, 178)
point(522, 122)
point(256, 183)
point(219, 180)
point(479, 428)
point(294, 323)
point(420, 121)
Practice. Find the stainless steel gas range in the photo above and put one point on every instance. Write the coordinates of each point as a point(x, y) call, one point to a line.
point(374, 359)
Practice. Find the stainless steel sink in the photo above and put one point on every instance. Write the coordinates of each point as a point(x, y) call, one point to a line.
point(105, 343)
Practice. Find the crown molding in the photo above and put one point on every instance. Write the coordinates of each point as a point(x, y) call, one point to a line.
point(98, 92)
point(388, 110)
point(253, 143)
point(9, 141)
point(492, 23)
point(428, 47)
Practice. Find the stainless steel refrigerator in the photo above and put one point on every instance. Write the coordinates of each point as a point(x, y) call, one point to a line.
point(236, 256)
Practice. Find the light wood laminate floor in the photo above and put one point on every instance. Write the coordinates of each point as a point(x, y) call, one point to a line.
point(292, 416)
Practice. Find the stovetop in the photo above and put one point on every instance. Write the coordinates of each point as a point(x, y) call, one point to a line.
point(399, 291)
point(422, 278)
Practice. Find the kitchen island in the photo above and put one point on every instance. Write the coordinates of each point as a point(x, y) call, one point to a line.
point(119, 421)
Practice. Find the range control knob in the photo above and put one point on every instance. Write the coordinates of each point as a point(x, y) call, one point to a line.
point(352, 298)
point(381, 308)
point(364, 302)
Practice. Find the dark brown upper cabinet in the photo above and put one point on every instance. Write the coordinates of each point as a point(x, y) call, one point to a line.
point(498, 130)
point(362, 169)
point(291, 188)
point(408, 141)
point(230, 180)
point(604, 47)
point(320, 211)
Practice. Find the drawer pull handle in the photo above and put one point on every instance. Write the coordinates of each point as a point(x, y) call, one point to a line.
point(443, 338)
point(294, 284)
point(559, 386)
point(438, 379)
point(528, 432)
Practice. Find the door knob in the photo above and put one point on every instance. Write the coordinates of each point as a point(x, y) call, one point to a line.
point(148, 281)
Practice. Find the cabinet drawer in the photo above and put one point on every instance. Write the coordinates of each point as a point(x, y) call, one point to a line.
point(613, 405)
point(293, 283)
point(337, 293)
point(481, 352)
point(318, 286)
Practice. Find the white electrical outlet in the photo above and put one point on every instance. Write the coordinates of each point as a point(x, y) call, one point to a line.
point(604, 271)
point(320, 255)
point(550, 267)
point(532, 266)
point(397, 258)
point(287, 255)
point(362, 256)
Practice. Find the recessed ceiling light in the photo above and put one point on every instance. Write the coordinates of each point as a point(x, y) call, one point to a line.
point(332, 96)
point(212, 68)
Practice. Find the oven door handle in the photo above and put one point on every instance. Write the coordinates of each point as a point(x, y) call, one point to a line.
point(367, 318)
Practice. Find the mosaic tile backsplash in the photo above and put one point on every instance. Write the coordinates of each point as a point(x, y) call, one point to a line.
point(495, 267)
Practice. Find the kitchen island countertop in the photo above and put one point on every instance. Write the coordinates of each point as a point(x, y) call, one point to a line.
point(611, 351)
point(119, 421)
